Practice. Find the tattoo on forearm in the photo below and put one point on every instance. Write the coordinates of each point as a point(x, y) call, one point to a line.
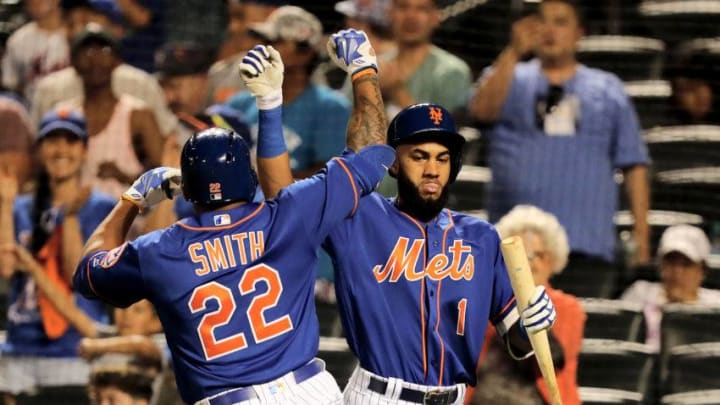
point(368, 122)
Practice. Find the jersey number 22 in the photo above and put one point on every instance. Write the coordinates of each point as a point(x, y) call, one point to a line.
point(261, 328)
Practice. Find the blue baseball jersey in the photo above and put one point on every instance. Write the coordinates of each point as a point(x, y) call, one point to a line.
point(416, 298)
point(234, 289)
point(25, 333)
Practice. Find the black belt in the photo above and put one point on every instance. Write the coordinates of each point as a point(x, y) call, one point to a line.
point(419, 397)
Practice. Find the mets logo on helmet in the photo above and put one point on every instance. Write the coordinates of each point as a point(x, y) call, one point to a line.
point(436, 115)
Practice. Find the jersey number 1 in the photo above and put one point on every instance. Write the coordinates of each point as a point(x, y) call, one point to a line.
point(261, 328)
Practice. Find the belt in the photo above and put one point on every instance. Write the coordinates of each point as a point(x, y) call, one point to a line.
point(305, 372)
point(434, 397)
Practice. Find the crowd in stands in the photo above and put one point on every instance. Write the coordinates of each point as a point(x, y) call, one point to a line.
point(95, 92)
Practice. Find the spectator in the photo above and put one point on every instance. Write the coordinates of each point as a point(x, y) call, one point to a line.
point(124, 137)
point(559, 131)
point(53, 224)
point(66, 84)
point(145, 31)
point(36, 49)
point(502, 380)
point(223, 75)
point(122, 380)
point(182, 69)
point(16, 136)
point(696, 94)
point(314, 116)
point(420, 71)
point(683, 253)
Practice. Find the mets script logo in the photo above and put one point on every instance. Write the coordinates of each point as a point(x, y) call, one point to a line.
point(405, 256)
point(436, 115)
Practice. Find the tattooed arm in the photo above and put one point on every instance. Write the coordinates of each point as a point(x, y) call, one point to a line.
point(368, 123)
point(351, 51)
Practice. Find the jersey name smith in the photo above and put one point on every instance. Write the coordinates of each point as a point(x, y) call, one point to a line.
point(403, 260)
point(226, 251)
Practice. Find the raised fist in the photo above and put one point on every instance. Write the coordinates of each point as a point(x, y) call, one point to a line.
point(262, 71)
point(351, 51)
point(154, 186)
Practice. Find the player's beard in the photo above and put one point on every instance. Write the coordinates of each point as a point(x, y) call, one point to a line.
point(412, 203)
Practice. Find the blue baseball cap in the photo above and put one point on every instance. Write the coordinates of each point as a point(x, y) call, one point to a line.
point(65, 120)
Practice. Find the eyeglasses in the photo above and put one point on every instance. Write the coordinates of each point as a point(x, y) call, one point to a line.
point(536, 255)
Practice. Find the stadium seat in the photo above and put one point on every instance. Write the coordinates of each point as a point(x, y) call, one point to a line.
point(68, 395)
point(606, 363)
point(684, 324)
point(693, 367)
point(585, 280)
point(695, 190)
point(339, 360)
point(631, 58)
point(601, 396)
point(705, 397)
point(613, 319)
point(681, 20)
point(468, 191)
point(682, 147)
point(652, 100)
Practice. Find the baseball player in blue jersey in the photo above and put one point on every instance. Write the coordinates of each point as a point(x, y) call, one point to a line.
point(417, 283)
point(233, 284)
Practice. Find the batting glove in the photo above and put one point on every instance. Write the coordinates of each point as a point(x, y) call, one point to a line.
point(540, 313)
point(351, 51)
point(153, 187)
point(262, 71)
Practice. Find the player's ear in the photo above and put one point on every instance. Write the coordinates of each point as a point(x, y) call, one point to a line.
point(393, 170)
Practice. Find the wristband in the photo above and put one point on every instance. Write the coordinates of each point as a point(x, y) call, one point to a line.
point(271, 141)
point(269, 101)
point(367, 70)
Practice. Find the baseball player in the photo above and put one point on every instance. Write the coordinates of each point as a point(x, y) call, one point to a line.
point(417, 283)
point(233, 284)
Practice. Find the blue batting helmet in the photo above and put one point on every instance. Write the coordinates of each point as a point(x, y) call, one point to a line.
point(428, 123)
point(216, 168)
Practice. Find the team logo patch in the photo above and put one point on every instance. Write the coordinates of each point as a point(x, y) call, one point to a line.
point(112, 256)
point(215, 190)
point(436, 115)
point(220, 220)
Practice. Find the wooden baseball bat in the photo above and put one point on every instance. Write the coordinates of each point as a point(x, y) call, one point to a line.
point(521, 279)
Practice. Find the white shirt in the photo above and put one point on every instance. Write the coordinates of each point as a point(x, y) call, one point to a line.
point(31, 54)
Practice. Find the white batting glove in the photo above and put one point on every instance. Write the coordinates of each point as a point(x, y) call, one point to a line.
point(262, 71)
point(352, 51)
point(154, 186)
point(540, 313)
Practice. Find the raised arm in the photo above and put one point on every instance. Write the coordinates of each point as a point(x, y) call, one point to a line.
point(151, 188)
point(262, 72)
point(352, 51)
point(493, 89)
